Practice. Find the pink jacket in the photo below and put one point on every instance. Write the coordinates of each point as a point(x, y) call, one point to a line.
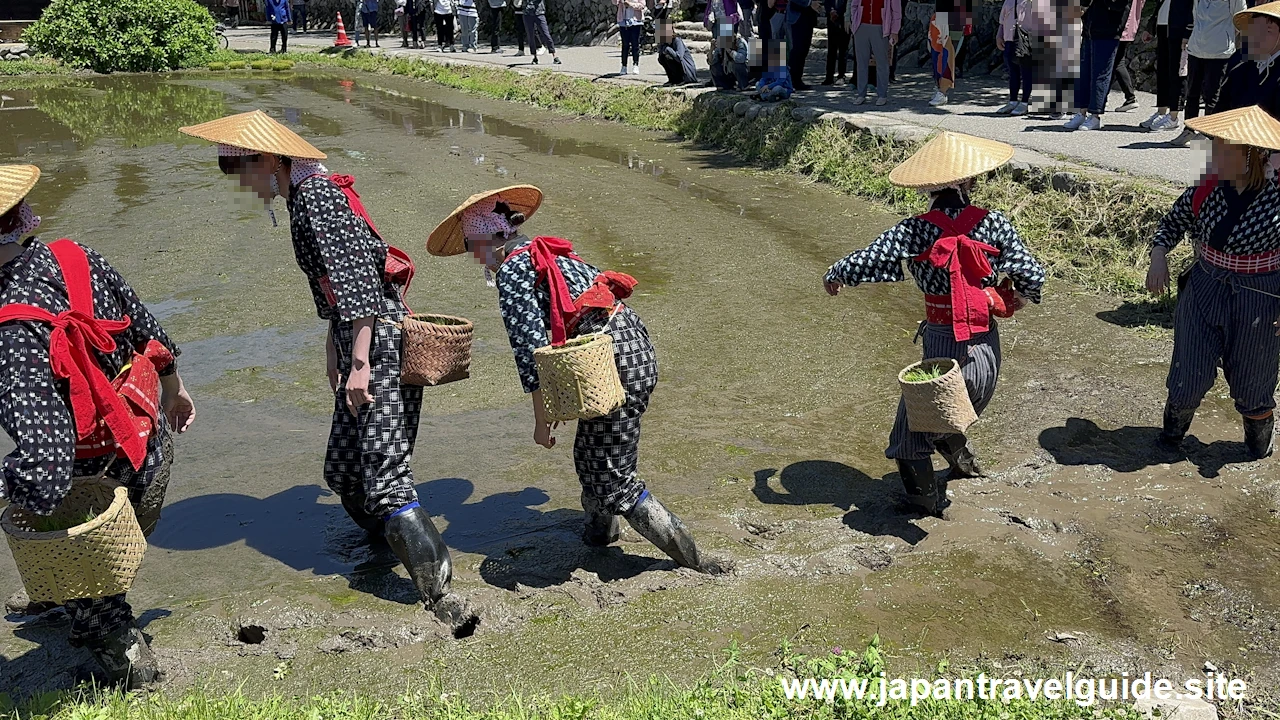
point(1131, 27)
point(892, 17)
point(1033, 15)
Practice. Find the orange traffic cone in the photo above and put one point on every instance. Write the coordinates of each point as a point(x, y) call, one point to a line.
point(343, 40)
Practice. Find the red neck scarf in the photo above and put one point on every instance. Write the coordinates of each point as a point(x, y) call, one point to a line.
point(347, 184)
point(966, 260)
point(543, 252)
point(76, 333)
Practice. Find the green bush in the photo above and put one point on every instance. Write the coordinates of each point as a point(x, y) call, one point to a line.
point(125, 35)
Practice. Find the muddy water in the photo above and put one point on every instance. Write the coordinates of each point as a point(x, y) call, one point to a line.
point(766, 432)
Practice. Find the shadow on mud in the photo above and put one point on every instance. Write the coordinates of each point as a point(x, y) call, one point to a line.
point(1130, 449)
point(871, 505)
point(1141, 314)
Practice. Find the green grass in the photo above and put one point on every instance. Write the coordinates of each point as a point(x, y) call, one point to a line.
point(38, 66)
point(734, 691)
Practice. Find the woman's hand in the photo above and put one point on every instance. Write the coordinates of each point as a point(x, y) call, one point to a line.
point(1158, 275)
point(542, 433)
point(1000, 40)
point(177, 406)
point(832, 287)
point(893, 41)
point(358, 388)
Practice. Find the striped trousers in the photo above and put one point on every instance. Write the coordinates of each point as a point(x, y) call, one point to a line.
point(1219, 319)
point(979, 360)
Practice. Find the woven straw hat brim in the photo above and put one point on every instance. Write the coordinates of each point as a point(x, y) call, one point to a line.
point(15, 182)
point(950, 158)
point(1244, 17)
point(447, 238)
point(255, 131)
point(1245, 126)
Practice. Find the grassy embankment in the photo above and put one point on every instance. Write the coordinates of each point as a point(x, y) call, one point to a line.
point(1095, 237)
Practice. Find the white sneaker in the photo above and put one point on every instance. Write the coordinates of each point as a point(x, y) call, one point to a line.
point(1075, 122)
point(1093, 122)
point(939, 99)
point(1007, 108)
point(1165, 122)
point(1150, 122)
point(635, 69)
point(1019, 109)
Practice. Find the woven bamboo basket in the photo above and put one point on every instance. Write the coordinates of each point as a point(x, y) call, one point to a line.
point(435, 349)
point(940, 405)
point(90, 560)
point(579, 379)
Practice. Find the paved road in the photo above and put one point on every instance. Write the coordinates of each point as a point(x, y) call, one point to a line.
point(1119, 145)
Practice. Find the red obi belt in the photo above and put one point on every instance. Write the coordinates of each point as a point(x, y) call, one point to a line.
point(1256, 264)
point(969, 307)
point(109, 415)
point(606, 292)
point(398, 269)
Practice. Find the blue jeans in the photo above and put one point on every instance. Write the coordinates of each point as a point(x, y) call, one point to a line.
point(1019, 73)
point(631, 43)
point(1097, 62)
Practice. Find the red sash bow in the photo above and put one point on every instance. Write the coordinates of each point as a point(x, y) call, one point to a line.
point(966, 261)
point(76, 333)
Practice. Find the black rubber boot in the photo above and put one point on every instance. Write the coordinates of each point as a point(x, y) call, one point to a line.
point(661, 527)
point(921, 484)
point(417, 542)
point(354, 505)
point(1259, 436)
point(125, 657)
point(1177, 421)
point(601, 530)
point(959, 454)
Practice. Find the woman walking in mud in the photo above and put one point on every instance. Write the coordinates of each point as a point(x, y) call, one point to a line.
point(1229, 298)
point(356, 283)
point(548, 294)
point(955, 252)
point(69, 326)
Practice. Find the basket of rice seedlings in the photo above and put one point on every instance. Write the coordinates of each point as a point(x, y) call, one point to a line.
point(936, 397)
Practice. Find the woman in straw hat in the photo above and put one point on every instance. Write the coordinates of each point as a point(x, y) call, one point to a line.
point(955, 252)
point(90, 386)
point(548, 294)
point(356, 287)
point(1229, 300)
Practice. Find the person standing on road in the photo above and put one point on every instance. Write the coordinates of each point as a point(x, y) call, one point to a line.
point(443, 11)
point(1228, 306)
point(369, 18)
point(801, 19)
point(946, 36)
point(535, 25)
point(1121, 74)
point(631, 27)
point(1212, 43)
point(356, 284)
point(469, 19)
point(1171, 26)
point(1104, 22)
point(953, 240)
point(495, 24)
point(1016, 17)
point(874, 25)
point(547, 295)
point(299, 16)
point(517, 9)
point(277, 12)
point(232, 9)
point(417, 11)
point(837, 40)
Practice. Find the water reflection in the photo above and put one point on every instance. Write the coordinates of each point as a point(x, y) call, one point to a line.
point(141, 111)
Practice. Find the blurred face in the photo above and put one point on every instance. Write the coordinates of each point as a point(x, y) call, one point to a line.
point(256, 176)
point(666, 32)
point(1228, 160)
point(1263, 35)
point(485, 249)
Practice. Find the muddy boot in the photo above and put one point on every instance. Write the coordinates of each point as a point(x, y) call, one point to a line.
point(1259, 436)
point(601, 530)
point(125, 657)
point(661, 527)
point(354, 505)
point(921, 485)
point(20, 603)
point(959, 454)
point(417, 542)
point(1176, 423)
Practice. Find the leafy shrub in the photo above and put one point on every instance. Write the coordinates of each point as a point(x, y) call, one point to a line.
point(125, 35)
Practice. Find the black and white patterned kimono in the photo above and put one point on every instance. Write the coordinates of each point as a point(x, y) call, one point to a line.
point(368, 458)
point(979, 356)
point(1222, 315)
point(36, 412)
point(606, 449)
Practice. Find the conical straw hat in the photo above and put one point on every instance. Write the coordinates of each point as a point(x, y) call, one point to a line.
point(255, 131)
point(950, 158)
point(1244, 17)
point(447, 238)
point(1245, 126)
point(15, 182)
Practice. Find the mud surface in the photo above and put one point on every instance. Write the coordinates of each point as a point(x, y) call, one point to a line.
point(765, 434)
